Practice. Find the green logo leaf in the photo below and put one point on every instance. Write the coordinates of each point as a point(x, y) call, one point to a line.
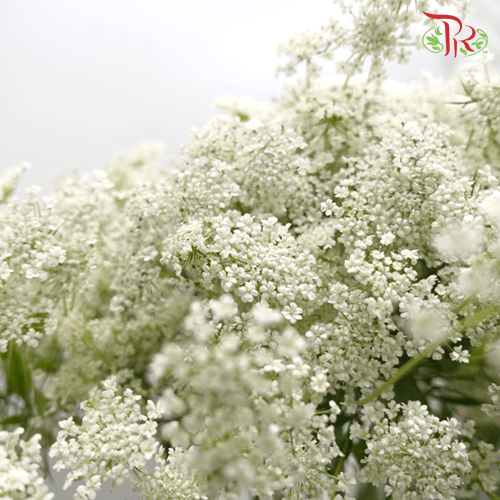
point(431, 42)
point(437, 31)
point(464, 52)
point(482, 33)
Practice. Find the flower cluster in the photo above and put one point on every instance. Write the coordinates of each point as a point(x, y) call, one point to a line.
point(19, 468)
point(258, 260)
point(169, 481)
point(485, 471)
point(114, 435)
point(238, 409)
point(378, 32)
point(493, 409)
point(416, 454)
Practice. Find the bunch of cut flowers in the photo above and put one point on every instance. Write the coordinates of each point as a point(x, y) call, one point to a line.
point(307, 306)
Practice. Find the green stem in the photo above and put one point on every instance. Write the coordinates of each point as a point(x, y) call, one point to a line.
point(483, 315)
point(326, 474)
point(340, 462)
point(462, 305)
point(346, 81)
point(492, 495)
point(399, 6)
point(135, 470)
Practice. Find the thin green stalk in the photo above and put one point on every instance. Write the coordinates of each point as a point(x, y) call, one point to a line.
point(340, 462)
point(469, 322)
point(134, 470)
point(465, 303)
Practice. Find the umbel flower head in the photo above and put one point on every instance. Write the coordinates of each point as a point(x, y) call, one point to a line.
point(19, 469)
point(114, 436)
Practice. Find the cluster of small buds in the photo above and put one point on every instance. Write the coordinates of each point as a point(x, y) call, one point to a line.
point(494, 408)
point(50, 248)
point(114, 435)
point(378, 32)
point(253, 164)
point(19, 472)
point(253, 259)
point(309, 44)
point(171, 480)
point(263, 388)
point(484, 92)
point(415, 454)
point(485, 472)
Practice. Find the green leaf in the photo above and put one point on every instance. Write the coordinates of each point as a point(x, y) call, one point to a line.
point(18, 372)
point(432, 40)
point(464, 52)
point(437, 31)
point(462, 401)
point(15, 419)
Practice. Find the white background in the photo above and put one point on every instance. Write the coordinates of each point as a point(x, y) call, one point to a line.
point(81, 80)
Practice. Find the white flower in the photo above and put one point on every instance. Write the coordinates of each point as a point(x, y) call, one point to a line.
point(462, 356)
point(290, 343)
point(153, 410)
point(491, 205)
point(477, 280)
point(460, 241)
point(5, 271)
point(298, 367)
point(264, 315)
point(319, 383)
point(224, 307)
point(387, 238)
point(494, 408)
point(426, 323)
point(327, 207)
point(292, 312)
